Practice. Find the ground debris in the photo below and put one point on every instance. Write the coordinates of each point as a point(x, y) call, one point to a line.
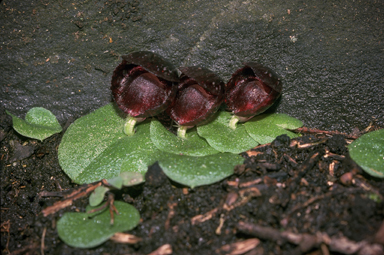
point(307, 186)
point(307, 242)
point(238, 248)
point(162, 250)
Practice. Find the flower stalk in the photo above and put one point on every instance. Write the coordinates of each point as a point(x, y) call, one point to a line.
point(130, 123)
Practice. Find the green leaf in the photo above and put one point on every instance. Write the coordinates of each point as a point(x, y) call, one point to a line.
point(224, 139)
point(116, 182)
point(196, 171)
point(95, 147)
point(131, 178)
point(81, 231)
point(139, 160)
point(88, 137)
point(165, 141)
point(39, 124)
point(97, 195)
point(266, 127)
point(368, 152)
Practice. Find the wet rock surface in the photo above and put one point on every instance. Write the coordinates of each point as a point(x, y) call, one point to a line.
point(60, 55)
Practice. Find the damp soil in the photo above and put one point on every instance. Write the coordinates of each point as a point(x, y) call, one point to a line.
point(307, 185)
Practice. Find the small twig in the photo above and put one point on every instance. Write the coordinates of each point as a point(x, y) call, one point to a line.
point(125, 238)
point(240, 247)
point(308, 202)
point(233, 200)
point(112, 209)
point(98, 209)
point(171, 213)
point(83, 188)
point(221, 224)
point(266, 233)
point(70, 198)
point(32, 247)
point(250, 183)
point(162, 250)
point(318, 131)
point(204, 217)
point(50, 194)
point(42, 248)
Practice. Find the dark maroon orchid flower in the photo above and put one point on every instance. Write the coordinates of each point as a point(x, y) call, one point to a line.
point(143, 85)
point(200, 94)
point(251, 90)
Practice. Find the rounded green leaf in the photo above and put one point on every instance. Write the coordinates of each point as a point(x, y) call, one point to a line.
point(224, 139)
point(95, 147)
point(81, 231)
point(88, 137)
point(131, 178)
point(368, 152)
point(165, 141)
point(97, 195)
point(266, 127)
point(197, 171)
point(39, 124)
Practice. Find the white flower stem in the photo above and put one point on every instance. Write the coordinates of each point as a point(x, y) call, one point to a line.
point(233, 122)
point(130, 123)
point(182, 131)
